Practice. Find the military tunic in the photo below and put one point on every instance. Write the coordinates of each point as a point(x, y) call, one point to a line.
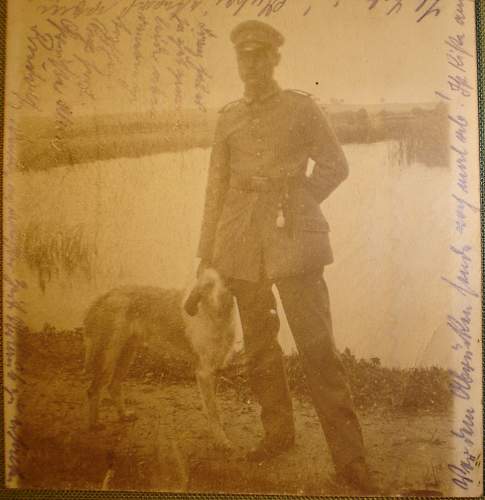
point(258, 164)
point(258, 168)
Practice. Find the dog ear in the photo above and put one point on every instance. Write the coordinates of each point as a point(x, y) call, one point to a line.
point(191, 304)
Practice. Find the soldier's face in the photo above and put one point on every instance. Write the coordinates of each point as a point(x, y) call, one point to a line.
point(256, 66)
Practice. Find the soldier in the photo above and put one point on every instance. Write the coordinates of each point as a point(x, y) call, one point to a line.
point(262, 225)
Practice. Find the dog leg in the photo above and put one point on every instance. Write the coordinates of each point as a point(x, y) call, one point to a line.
point(94, 396)
point(105, 360)
point(119, 375)
point(206, 384)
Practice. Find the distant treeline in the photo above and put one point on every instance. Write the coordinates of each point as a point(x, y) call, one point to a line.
point(422, 133)
point(46, 144)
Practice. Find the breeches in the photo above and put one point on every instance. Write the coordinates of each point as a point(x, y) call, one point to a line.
point(306, 304)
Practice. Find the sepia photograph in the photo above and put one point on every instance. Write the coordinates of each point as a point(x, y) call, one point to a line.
point(241, 247)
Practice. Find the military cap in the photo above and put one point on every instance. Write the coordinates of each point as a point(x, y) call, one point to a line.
point(251, 35)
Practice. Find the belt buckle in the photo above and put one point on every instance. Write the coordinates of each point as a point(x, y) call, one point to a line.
point(258, 182)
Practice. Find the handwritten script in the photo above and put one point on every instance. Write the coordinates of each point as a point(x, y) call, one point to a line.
point(457, 91)
point(265, 8)
point(13, 309)
point(75, 52)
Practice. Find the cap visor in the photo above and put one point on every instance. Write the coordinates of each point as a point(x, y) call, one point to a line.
point(250, 46)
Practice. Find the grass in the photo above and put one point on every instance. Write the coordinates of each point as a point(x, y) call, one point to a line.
point(410, 390)
point(58, 451)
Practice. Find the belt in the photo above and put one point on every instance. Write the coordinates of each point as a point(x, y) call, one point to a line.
point(265, 184)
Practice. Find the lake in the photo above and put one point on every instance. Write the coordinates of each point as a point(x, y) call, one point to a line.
point(89, 227)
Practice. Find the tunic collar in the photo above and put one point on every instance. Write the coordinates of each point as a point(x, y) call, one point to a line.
point(272, 90)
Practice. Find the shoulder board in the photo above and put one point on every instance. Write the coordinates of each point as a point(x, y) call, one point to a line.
point(301, 92)
point(229, 106)
point(302, 96)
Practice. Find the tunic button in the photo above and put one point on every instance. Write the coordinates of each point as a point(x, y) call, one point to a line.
point(258, 154)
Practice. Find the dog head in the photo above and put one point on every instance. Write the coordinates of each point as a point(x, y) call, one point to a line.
point(212, 294)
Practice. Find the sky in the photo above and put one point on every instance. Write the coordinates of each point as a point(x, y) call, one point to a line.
point(347, 52)
point(354, 54)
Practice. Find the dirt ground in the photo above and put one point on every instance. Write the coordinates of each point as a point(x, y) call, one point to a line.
point(168, 447)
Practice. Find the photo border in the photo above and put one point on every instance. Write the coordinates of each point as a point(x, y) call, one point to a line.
point(145, 495)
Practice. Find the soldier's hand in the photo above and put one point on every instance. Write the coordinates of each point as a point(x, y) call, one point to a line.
point(203, 265)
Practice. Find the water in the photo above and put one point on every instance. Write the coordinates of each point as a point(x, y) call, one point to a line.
point(137, 221)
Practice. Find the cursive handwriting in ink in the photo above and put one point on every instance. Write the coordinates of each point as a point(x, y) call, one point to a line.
point(264, 8)
point(462, 472)
point(461, 282)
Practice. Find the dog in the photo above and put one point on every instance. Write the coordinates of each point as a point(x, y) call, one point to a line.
point(197, 325)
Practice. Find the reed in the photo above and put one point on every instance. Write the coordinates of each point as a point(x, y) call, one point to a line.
point(63, 251)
